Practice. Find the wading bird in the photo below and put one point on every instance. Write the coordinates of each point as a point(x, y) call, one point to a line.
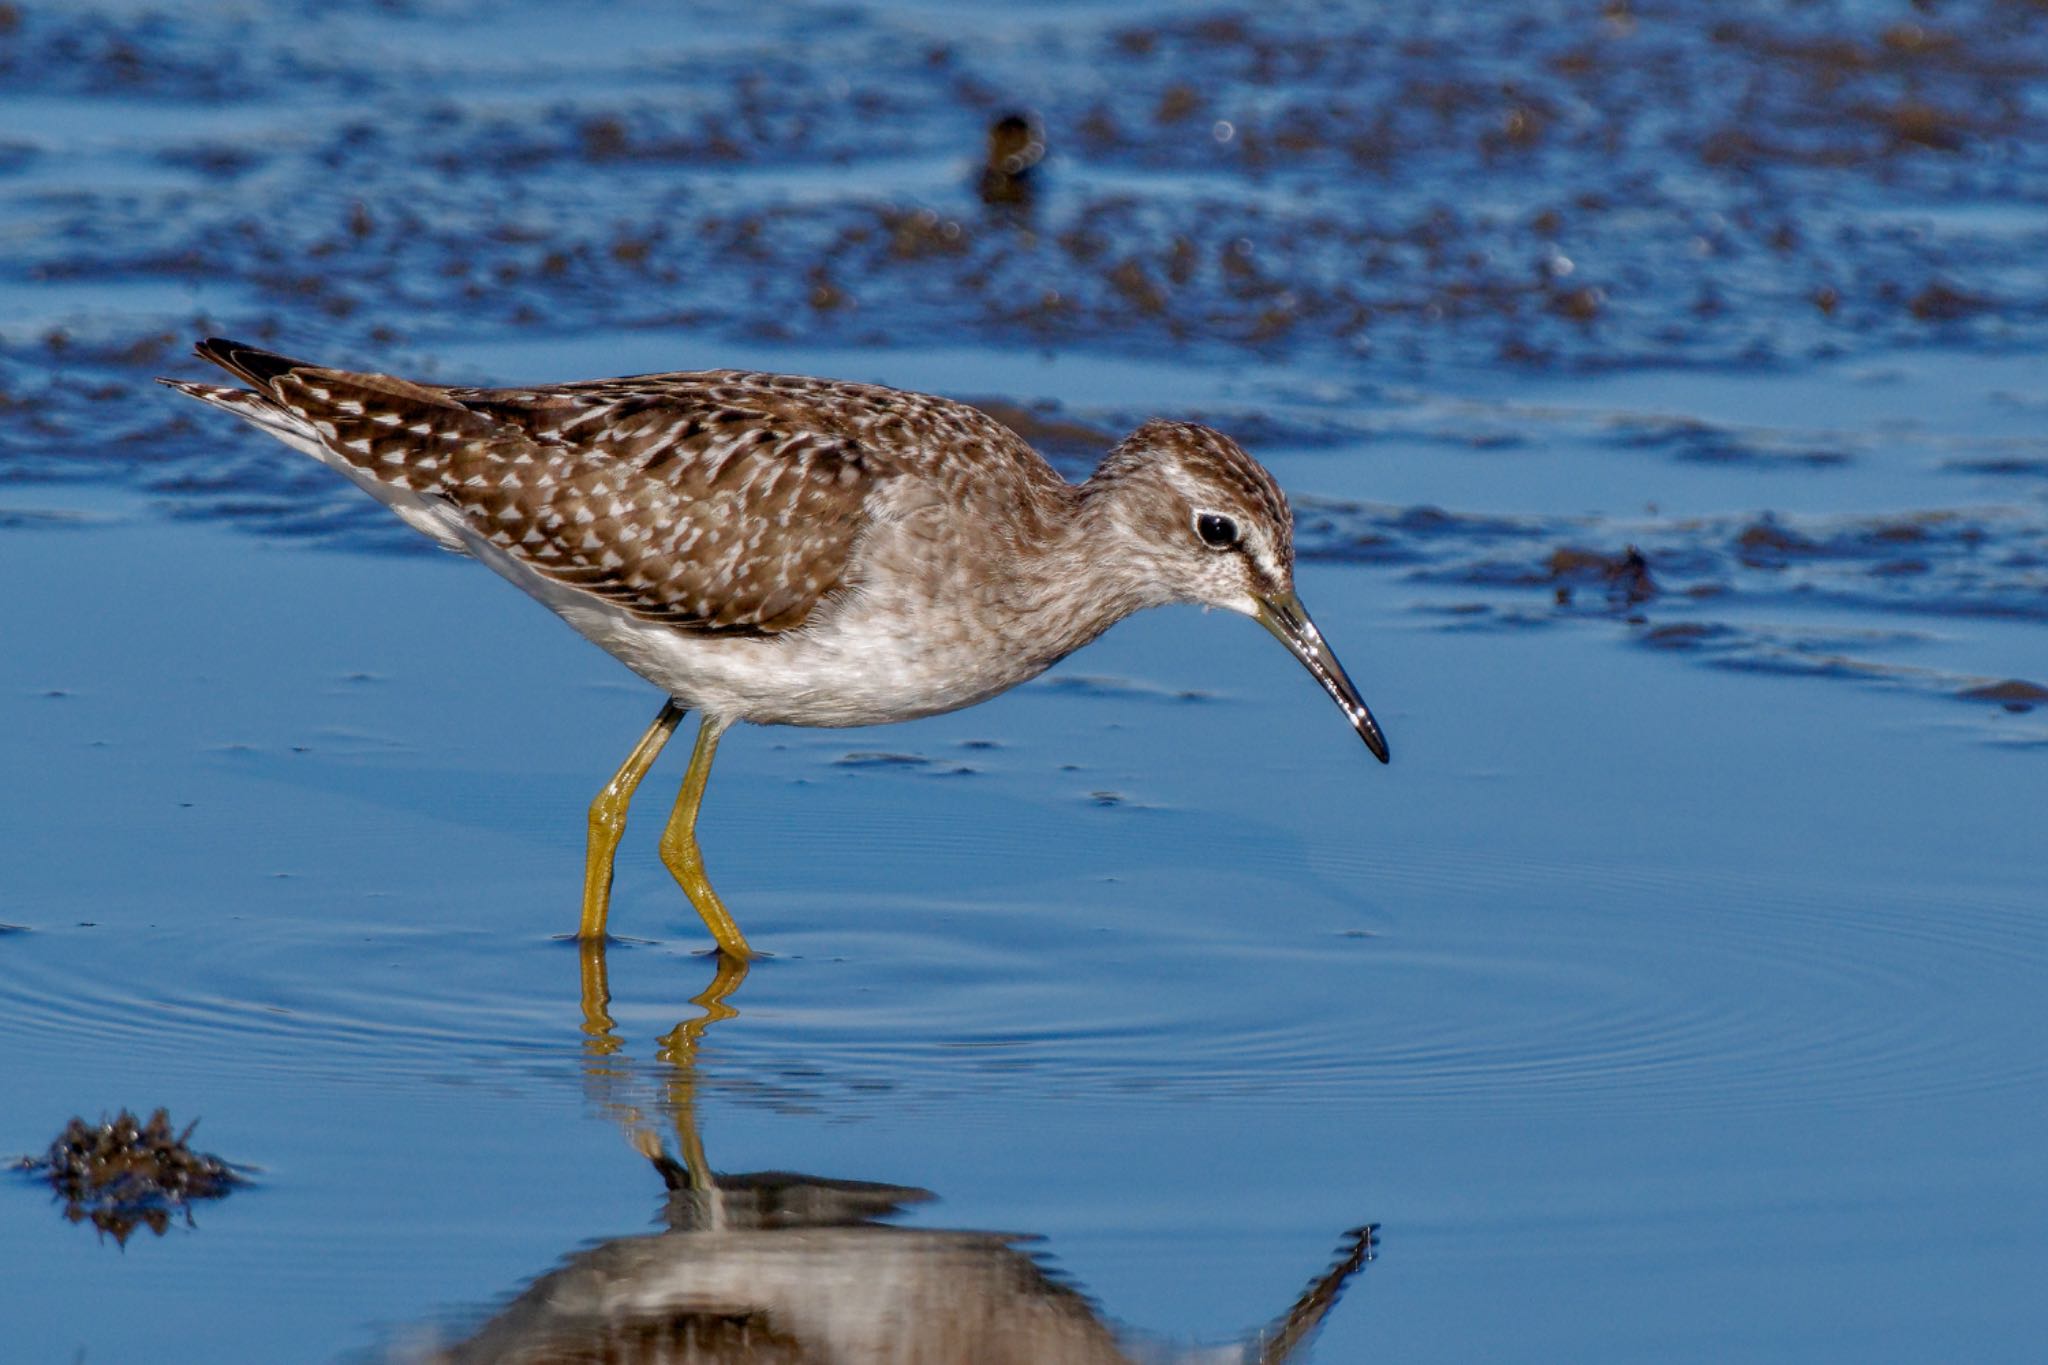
point(793, 551)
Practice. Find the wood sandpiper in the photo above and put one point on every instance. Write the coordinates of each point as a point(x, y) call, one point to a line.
point(794, 551)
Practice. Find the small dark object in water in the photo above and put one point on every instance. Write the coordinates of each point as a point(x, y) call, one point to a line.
point(1015, 145)
point(1580, 305)
point(1626, 575)
point(1943, 302)
point(122, 1171)
point(2014, 694)
point(1764, 544)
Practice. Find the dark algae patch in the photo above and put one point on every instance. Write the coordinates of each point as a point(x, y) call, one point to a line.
point(123, 1173)
point(1546, 184)
point(1625, 578)
point(2013, 694)
point(1991, 564)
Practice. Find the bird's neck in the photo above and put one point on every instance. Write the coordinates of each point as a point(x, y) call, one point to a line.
point(1090, 571)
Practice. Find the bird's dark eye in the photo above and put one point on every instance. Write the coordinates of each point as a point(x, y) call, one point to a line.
point(1217, 531)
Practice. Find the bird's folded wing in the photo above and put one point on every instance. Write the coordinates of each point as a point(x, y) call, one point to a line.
point(743, 527)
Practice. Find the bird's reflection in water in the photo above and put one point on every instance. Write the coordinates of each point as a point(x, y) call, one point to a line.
point(779, 1267)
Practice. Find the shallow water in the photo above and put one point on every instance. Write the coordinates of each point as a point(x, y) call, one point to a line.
point(1676, 993)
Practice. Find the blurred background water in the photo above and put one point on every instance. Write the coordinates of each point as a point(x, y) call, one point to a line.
point(1660, 389)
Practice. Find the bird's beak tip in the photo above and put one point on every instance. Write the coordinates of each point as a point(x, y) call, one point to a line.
point(1376, 741)
point(1285, 617)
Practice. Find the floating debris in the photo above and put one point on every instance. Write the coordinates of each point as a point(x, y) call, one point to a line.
point(2014, 694)
point(122, 1173)
point(1626, 576)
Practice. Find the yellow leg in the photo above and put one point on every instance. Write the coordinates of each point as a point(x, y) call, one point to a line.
point(679, 847)
point(608, 820)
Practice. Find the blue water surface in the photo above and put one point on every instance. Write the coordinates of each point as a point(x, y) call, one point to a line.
point(1676, 994)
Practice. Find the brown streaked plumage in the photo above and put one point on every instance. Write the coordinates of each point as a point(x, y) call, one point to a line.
point(796, 551)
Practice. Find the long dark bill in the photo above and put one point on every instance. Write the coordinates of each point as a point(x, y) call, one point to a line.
point(1284, 615)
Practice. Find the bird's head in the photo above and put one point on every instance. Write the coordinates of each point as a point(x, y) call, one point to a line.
point(1204, 522)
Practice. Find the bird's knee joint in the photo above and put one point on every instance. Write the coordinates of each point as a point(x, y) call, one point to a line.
point(681, 851)
point(608, 813)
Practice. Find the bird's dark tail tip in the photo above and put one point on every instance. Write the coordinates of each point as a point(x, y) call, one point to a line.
point(253, 363)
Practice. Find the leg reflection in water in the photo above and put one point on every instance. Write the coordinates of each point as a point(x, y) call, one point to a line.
point(780, 1267)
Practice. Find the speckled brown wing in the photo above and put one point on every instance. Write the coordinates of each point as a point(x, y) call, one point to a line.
point(667, 424)
point(678, 508)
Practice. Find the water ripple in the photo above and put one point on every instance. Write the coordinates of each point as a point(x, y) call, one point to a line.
point(1559, 1008)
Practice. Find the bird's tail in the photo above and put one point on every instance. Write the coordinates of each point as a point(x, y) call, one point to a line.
point(257, 403)
point(251, 363)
